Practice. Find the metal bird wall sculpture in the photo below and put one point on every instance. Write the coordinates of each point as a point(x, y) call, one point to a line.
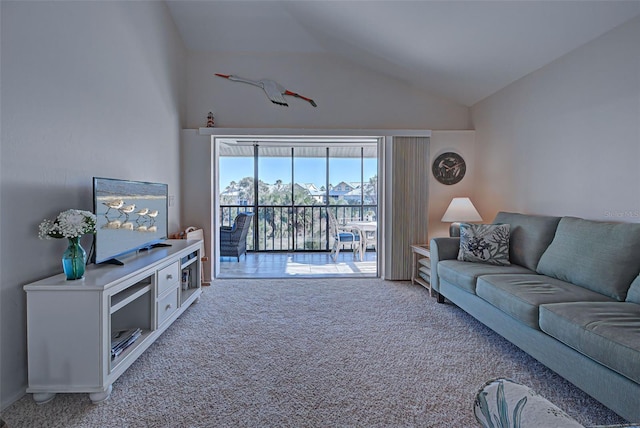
point(274, 91)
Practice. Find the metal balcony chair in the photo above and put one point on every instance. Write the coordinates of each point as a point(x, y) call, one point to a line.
point(233, 239)
point(342, 236)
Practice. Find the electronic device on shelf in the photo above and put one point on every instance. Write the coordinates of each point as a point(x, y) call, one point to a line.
point(130, 216)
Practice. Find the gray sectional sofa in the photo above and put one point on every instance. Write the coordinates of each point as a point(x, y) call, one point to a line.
point(569, 296)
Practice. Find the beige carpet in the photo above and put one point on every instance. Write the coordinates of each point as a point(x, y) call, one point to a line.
point(312, 353)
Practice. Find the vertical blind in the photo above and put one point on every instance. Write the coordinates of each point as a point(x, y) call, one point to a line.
point(407, 218)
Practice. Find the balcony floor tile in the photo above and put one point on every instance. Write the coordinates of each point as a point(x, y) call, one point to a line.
point(282, 265)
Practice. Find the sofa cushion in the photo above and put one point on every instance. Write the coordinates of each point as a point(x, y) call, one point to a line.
point(530, 235)
point(600, 256)
point(634, 292)
point(608, 332)
point(465, 274)
point(484, 243)
point(520, 296)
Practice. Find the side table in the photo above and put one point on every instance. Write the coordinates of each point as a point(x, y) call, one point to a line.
point(421, 266)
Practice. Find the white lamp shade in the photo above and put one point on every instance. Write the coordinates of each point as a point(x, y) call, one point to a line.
point(461, 209)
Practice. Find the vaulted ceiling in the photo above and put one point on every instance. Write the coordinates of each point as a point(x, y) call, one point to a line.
point(461, 50)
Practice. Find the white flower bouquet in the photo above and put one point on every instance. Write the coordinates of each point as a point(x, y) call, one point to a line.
point(68, 224)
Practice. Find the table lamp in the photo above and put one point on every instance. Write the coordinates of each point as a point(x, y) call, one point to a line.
point(460, 209)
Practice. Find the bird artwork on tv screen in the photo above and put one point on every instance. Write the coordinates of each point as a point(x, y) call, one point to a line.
point(130, 215)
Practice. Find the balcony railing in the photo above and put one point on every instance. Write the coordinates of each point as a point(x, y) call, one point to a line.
point(294, 228)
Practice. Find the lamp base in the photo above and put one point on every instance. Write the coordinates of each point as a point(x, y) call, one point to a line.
point(454, 230)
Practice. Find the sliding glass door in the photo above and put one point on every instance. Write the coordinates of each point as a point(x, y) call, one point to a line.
point(290, 186)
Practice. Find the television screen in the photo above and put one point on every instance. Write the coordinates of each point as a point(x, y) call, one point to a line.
point(131, 215)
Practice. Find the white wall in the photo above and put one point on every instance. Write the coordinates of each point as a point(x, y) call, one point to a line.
point(348, 96)
point(565, 140)
point(196, 176)
point(88, 89)
point(440, 195)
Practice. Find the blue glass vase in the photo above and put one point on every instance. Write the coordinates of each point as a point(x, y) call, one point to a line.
point(74, 259)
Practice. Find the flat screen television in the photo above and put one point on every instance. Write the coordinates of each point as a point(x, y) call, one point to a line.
point(130, 216)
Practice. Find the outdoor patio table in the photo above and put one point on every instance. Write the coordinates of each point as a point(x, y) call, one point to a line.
point(368, 231)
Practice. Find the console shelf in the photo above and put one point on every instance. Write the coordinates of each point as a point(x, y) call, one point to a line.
point(70, 323)
point(128, 295)
point(122, 357)
point(188, 262)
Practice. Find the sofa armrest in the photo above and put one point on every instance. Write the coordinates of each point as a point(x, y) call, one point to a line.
point(441, 249)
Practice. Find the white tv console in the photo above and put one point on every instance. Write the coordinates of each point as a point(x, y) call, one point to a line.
point(70, 323)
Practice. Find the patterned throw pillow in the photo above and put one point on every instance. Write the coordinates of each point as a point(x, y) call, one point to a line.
point(633, 295)
point(505, 403)
point(484, 243)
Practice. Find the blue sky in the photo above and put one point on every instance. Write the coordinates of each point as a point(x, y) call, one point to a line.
point(307, 170)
